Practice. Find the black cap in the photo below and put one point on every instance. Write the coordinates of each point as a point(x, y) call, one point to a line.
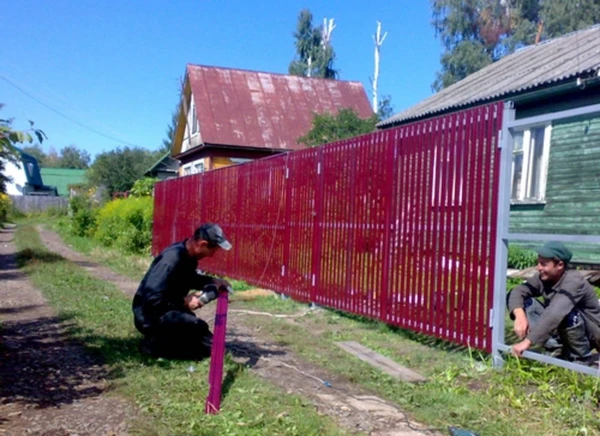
point(213, 234)
point(555, 250)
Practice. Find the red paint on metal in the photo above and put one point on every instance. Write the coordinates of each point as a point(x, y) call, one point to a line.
point(215, 373)
point(396, 225)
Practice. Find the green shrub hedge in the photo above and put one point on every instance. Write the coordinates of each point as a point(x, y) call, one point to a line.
point(5, 205)
point(82, 216)
point(126, 224)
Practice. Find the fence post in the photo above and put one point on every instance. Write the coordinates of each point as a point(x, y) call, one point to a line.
point(286, 224)
point(506, 147)
point(318, 226)
point(390, 152)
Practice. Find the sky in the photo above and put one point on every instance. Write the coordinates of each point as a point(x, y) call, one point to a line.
point(101, 74)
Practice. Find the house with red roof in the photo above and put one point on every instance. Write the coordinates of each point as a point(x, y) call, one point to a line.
point(229, 116)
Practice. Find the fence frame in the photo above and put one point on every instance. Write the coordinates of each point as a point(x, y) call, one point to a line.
point(509, 126)
point(432, 218)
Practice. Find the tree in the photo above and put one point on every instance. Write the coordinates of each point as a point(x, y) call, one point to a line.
point(345, 124)
point(560, 17)
point(73, 157)
point(117, 170)
point(475, 33)
point(169, 142)
point(378, 40)
point(36, 151)
point(8, 138)
point(314, 53)
point(69, 157)
point(385, 108)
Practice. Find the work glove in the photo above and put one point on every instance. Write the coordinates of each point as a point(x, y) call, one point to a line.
point(222, 285)
point(209, 293)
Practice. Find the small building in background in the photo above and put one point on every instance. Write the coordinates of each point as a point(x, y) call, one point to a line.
point(164, 168)
point(230, 116)
point(64, 179)
point(26, 178)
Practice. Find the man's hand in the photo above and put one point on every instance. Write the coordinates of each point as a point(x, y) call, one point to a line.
point(521, 323)
point(517, 349)
point(192, 302)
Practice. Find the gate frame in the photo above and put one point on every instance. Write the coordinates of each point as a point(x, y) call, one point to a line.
point(509, 125)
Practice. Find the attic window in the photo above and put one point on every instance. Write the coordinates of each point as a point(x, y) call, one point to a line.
point(194, 120)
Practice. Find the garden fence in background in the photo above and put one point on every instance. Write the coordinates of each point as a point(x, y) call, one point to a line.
point(398, 225)
point(38, 203)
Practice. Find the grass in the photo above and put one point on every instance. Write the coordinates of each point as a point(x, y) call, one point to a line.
point(170, 393)
point(524, 397)
point(128, 265)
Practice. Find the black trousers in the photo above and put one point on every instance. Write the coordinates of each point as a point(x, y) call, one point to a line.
point(180, 335)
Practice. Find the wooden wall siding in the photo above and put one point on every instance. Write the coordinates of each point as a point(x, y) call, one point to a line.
point(573, 188)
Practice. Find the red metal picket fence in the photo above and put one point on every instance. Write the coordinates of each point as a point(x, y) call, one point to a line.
point(398, 225)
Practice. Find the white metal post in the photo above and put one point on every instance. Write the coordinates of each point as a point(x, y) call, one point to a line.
point(506, 149)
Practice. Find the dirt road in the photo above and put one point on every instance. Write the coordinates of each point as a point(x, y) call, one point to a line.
point(49, 385)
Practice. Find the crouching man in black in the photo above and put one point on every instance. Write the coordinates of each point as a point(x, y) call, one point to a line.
point(163, 306)
point(557, 300)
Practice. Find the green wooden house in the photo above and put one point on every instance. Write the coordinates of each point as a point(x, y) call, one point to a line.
point(555, 176)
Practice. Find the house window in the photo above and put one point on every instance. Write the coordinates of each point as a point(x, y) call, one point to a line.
point(187, 170)
point(530, 164)
point(194, 120)
point(199, 168)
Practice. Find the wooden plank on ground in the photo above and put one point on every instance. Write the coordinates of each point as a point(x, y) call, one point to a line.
point(383, 363)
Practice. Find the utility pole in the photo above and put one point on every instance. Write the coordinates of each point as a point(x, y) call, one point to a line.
point(378, 40)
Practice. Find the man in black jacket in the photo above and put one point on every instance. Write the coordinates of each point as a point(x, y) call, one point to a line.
point(163, 306)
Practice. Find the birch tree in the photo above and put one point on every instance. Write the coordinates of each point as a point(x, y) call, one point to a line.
point(378, 40)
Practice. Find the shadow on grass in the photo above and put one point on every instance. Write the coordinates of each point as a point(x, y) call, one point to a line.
point(42, 366)
point(28, 255)
point(118, 353)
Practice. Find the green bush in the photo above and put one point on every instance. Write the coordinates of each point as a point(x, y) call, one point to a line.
point(5, 205)
point(520, 258)
point(143, 187)
point(55, 211)
point(126, 224)
point(82, 216)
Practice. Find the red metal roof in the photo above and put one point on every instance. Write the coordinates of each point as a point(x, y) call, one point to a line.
point(256, 109)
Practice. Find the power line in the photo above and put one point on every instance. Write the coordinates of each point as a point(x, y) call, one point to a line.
point(14, 85)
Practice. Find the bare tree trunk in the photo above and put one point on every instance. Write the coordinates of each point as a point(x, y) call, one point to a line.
point(378, 39)
point(328, 27)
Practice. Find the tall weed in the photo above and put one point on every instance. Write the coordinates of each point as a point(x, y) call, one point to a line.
point(520, 258)
point(126, 224)
point(82, 216)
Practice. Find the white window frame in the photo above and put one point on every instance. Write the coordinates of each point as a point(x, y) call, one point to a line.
point(194, 119)
point(523, 196)
point(198, 167)
point(187, 170)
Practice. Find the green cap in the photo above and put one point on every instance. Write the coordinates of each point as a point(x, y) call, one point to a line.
point(555, 250)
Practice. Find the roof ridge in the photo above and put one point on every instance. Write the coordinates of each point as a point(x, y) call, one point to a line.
point(247, 70)
point(557, 38)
